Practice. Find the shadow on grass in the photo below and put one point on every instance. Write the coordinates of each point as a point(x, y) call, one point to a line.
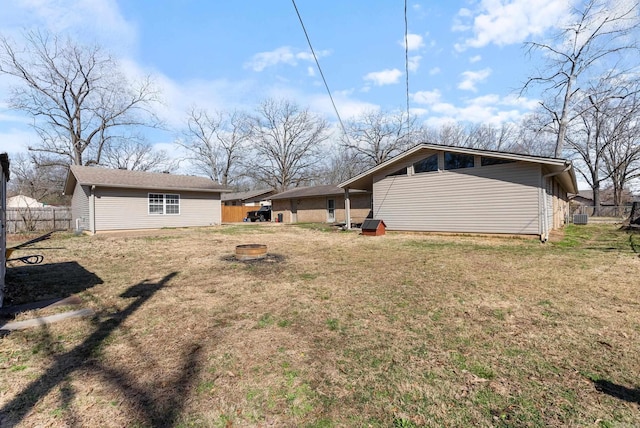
point(631, 395)
point(31, 283)
point(152, 407)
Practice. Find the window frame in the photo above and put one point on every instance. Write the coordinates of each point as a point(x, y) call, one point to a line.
point(464, 155)
point(163, 203)
point(435, 155)
point(490, 161)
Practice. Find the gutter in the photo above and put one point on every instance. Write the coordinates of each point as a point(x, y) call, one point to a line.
point(544, 221)
point(92, 210)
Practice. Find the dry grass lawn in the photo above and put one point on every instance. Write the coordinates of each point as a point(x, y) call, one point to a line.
point(332, 330)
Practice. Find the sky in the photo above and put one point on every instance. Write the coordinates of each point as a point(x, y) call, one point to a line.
point(466, 58)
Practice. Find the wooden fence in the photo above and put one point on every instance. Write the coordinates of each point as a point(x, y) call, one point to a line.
point(231, 214)
point(38, 219)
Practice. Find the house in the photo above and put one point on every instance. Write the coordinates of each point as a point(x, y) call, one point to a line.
point(250, 198)
point(583, 197)
point(440, 188)
point(113, 199)
point(22, 201)
point(319, 204)
point(4, 177)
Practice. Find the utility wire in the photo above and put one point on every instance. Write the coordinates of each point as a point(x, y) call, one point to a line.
point(406, 55)
point(320, 69)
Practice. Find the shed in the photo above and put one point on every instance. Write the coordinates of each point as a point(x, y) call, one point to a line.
point(438, 188)
point(373, 227)
point(104, 199)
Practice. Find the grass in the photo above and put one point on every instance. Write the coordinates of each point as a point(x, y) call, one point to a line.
point(338, 330)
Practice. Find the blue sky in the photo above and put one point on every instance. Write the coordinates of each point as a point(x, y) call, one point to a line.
point(467, 60)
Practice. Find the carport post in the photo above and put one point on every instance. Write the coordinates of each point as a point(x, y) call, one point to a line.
point(347, 208)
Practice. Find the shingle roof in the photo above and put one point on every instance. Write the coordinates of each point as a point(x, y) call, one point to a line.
point(105, 177)
point(307, 192)
point(568, 177)
point(243, 196)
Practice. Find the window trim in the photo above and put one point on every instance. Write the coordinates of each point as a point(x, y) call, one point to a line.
point(160, 200)
point(437, 157)
point(444, 164)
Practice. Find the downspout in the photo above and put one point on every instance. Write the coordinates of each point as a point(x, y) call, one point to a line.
point(92, 210)
point(544, 235)
point(347, 209)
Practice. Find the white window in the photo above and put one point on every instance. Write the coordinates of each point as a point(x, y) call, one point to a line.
point(160, 204)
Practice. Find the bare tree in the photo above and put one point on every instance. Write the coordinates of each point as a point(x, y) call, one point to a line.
point(377, 136)
point(77, 96)
point(216, 143)
point(601, 136)
point(137, 155)
point(622, 153)
point(287, 143)
point(340, 166)
point(600, 38)
point(30, 178)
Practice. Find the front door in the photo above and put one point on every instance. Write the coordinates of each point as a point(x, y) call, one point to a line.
point(331, 210)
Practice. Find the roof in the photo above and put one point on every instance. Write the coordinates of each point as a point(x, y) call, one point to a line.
point(563, 167)
point(244, 196)
point(121, 178)
point(312, 191)
point(584, 194)
point(22, 201)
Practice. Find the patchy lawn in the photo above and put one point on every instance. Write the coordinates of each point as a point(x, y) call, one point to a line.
point(332, 330)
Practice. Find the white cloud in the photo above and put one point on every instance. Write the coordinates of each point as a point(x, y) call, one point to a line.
point(99, 20)
point(487, 109)
point(471, 78)
point(15, 140)
point(434, 71)
point(414, 42)
point(427, 97)
point(281, 55)
point(475, 59)
point(384, 77)
point(348, 108)
point(311, 72)
point(503, 22)
point(414, 63)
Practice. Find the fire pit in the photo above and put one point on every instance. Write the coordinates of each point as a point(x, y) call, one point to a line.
point(251, 251)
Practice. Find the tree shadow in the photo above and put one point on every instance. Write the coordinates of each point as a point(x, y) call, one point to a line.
point(149, 403)
point(631, 395)
point(33, 283)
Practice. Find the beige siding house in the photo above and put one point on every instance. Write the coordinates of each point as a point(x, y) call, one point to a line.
point(4, 177)
point(453, 189)
point(112, 199)
point(319, 204)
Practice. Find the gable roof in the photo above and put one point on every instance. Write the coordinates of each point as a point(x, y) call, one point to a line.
point(311, 191)
point(245, 196)
point(121, 178)
point(568, 177)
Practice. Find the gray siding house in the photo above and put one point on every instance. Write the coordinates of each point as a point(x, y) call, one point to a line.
point(111, 199)
point(460, 190)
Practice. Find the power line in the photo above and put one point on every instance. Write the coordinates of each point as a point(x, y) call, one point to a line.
point(320, 69)
point(406, 55)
